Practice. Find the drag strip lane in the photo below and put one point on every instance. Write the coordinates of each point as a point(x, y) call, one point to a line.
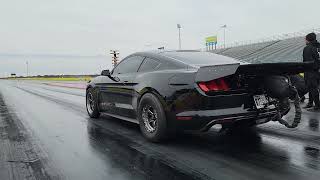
point(62, 136)
point(56, 100)
point(308, 129)
point(209, 156)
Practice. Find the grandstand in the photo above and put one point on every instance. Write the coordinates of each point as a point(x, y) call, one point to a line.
point(285, 50)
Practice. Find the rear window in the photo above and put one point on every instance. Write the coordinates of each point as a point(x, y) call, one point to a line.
point(149, 65)
point(200, 58)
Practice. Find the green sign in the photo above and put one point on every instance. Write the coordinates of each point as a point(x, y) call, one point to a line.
point(211, 39)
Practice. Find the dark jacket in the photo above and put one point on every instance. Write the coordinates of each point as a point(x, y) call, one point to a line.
point(298, 82)
point(310, 54)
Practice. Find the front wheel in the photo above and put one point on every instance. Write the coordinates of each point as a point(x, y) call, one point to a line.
point(92, 103)
point(152, 118)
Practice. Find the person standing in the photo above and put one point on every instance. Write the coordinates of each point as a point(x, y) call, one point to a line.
point(310, 54)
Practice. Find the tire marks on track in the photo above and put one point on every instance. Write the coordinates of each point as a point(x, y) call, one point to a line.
point(19, 156)
point(64, 103)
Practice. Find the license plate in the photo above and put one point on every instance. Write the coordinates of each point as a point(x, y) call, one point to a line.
point(260, 101)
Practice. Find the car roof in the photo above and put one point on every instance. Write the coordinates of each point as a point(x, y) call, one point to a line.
point(191, 57)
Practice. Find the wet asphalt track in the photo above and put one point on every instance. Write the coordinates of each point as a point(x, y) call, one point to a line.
point(45, 133)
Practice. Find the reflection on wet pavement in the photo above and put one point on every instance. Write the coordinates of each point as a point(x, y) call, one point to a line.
point(314, 124)
point(248, 149)
point(124, 153)
point(314, 154)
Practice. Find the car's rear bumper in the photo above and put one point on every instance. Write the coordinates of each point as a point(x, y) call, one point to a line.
point(195, 111)
point(204, 120)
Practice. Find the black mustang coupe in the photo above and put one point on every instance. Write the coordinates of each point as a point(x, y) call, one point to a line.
point(169, 91)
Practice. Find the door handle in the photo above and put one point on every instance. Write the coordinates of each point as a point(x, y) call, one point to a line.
point(125, 81)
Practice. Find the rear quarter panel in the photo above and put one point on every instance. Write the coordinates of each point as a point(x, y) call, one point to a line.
point(166, 85)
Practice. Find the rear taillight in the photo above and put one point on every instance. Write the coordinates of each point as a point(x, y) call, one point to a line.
point(214, 85)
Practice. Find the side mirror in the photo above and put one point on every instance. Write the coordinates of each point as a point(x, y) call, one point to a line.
point(105, 73)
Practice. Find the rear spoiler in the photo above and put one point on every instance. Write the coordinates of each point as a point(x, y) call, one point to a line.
point(285, 68)
point(207, 73)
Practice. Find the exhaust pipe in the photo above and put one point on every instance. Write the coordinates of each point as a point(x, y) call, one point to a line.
point(280, 88)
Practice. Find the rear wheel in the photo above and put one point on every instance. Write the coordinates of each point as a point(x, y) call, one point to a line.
point(92, 103)
point(152, 119)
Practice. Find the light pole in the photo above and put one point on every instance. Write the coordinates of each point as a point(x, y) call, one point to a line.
point(27, 63)
point(224, 35)
point(179, 27)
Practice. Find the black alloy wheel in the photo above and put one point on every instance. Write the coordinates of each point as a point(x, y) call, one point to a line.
point(92, 103)
point(152, 119)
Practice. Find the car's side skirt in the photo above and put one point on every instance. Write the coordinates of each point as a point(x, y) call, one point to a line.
point(122, 118)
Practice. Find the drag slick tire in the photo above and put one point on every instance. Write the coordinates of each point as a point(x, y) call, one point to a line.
point(92, 103)
point(152, 118)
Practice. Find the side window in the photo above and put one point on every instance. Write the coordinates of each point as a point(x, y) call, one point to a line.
point(128, 65)
point(149, 65)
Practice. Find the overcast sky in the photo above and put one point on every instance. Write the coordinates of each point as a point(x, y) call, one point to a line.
point(91, 27)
